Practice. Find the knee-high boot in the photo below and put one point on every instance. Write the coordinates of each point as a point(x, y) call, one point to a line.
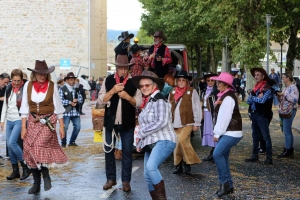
point(160, 190)
point(36, 173)
point(47, 179)
point(26, 171)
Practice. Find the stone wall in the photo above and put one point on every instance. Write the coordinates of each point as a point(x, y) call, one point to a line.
point(43, 30)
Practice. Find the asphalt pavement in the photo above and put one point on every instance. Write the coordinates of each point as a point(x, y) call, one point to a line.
point(84, 177)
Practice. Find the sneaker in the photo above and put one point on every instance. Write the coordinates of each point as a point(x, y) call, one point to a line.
point(73, 144)
point(64, 145)
point(261, 151)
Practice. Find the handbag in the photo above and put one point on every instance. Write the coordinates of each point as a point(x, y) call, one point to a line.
point(285, 109)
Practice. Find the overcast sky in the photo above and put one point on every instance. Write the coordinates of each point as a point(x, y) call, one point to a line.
point(124, 14)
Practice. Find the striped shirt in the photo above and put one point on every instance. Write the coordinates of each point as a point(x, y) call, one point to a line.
point(155, 122)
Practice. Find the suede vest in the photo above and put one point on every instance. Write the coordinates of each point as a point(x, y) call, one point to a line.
point(185, 108)
point(160, 70)
point(235, 123)
point(44, 107)
point(128, 110)
point(19, 94)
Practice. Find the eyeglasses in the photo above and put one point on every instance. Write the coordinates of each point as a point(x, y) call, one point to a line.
point(210, 81)
point(145, 85)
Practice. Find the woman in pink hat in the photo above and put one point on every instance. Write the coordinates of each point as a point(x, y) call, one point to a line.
point(227, 130)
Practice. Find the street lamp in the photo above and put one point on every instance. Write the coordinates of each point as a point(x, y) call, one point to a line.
point(281, 43)
point(268, 19)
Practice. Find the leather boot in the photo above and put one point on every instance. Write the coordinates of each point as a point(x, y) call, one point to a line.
point(47, 179)
point(109, 184)
point(15, 173)
point(178, 169)
point(160, 190)
point(35, 189)
point(292, 151)
point(224, 189)
point(254, 158)
point(153, 195)
point(26, 171)
point(286, 153)
point(210, 156)
point(268, 161)
point(186, 168)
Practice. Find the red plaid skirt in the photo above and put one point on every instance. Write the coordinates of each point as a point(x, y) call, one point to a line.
point(41, 146)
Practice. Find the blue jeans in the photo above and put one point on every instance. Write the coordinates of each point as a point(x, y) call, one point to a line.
point(110, 162)
point(153, 160)
point(287, 130)
point(221, 155)
point(76, 128)
point(260, 127)
point(275, 100)
point(13, 132)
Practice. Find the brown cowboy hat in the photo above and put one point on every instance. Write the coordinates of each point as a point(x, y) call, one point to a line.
point(70, 75)
point(122, 60)
point(160, 34)
point(124, 35)
point(42, 68)
point(253, 70)
point(150, 75)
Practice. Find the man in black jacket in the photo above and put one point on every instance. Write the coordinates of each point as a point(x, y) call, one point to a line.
point(92, 84)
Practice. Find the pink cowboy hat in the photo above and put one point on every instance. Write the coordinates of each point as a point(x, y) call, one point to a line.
point(224, 77)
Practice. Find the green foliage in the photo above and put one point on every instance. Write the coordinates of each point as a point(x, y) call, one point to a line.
point(144, 37)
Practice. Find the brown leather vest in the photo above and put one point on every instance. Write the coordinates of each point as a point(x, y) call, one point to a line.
point(235, 123)
point(46, 106)
point(186, 107)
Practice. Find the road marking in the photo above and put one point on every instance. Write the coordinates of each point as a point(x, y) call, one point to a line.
point(108, 192)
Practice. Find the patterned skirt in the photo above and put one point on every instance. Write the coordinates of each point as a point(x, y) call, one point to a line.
point(208, 133)
point(41, 147)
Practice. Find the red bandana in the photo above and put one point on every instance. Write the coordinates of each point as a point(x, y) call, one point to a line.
point(40, 87)
point(259, 86)
point(179, 92)
point(145, 99)
point(118, 79)
point(16, 89)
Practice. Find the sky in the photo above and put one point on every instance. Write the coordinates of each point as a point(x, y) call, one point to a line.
point(124, 14)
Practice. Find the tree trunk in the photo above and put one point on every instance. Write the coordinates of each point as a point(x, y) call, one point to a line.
point(212, 64)
point(292, 52)
point(198, 56)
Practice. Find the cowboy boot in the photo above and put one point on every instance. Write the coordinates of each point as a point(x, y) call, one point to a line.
point(37, 182)
point(26, 171)
point(224, 189)
point(160, 190)
point(210, 156)
point(47, 179)
point(15, 173)
point(254, 158)
point(153, 195)
point(186, 168)
point(178, 169)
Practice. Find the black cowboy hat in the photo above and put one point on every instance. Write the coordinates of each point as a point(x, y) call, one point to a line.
point(208, 74)
point(70, 75)
point(150, 75)
point(124, 35)
point(122, 60)
point(253, 70)
point(134, 49)
point(183, 74)
point(160, 34)
point(42, 68)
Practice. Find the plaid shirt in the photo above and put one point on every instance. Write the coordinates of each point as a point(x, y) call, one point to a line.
point(65, 102)
point(139, 65)
point(254, 99)
point(167, 59)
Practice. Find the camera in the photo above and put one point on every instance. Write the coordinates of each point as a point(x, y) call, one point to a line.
point(157, 56)
point(276, 92)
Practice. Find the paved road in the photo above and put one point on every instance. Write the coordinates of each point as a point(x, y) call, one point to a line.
point(85, 175)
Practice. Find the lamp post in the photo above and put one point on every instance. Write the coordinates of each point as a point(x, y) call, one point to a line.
point(268, 19)
point(281, 43)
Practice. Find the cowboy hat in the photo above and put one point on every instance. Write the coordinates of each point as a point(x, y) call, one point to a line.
point(124, 35)
point(208, 74)
point(224, 77)
point(261, 70)
point(160, 34)
point(148, 75)
point(70, 75)
point(183, 74)
point(134, 49)
point(122, 60)
point(41, 67)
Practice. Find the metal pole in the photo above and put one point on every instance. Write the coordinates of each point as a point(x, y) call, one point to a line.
point(268, 18)
point(281, 43)
point(200, 70)
point(226, 58)
point(89, 39)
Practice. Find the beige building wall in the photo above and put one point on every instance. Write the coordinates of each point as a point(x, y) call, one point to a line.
point(50, 30)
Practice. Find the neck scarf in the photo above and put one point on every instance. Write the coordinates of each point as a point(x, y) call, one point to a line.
point(40, 87)
point(179, 92)
point(220, 94)
point(145, 99)
point(208, 91)
point(16, 89)
point(259, 86)
point(118, 79)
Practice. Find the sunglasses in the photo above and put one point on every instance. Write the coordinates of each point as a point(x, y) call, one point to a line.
point(146, 86)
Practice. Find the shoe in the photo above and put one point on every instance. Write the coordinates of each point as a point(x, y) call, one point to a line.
point(292, 151)
point(286, 153)
point(186, 168)
point(178, 169)
point(26, 171)
point(73, 144)
point(224, 190)
point(35, 189)
point(268, 161)
point(262, 152)
point(47, 179)
point(126, 187)
point(15, 173)
point(109, 184)
point(64, 145)
point(160, 190)
point(254, 158)
point(153, 195)
point(82, 113)
point(210, 156)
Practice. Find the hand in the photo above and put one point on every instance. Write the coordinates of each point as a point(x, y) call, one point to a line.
point(159, 58)
point(117, 88)
point(152, 56)
point(23, 133)
point(195, 128)
point(260, 95)
point(75, 100)
point(2, 126)
point(1, 98)
point(62, 132)
point(280, 94)
point(216, 139)
point(124, 95)
point(73, 104)
point(138, 149)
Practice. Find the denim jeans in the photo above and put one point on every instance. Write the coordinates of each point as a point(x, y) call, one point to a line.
point(13, 132)
point(287, 130)
point(275, 100)
point(153, 160)
point(76, 128)
point(260, 127)
point(221, 155)
point(110, 162)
